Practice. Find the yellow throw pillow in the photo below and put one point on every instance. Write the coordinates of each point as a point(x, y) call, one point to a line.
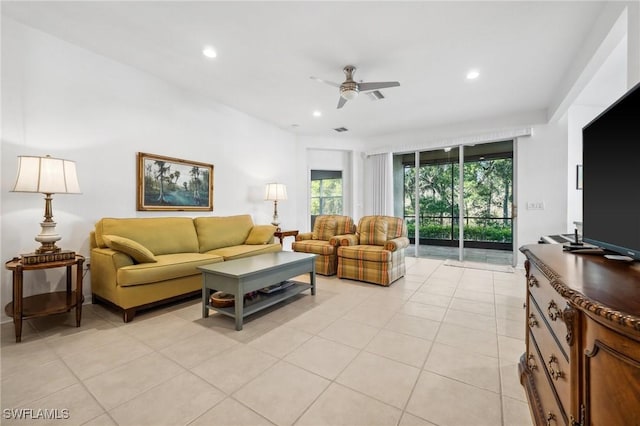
point(137, 251)
point(260, 234)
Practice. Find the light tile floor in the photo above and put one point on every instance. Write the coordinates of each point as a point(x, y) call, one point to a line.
point(438, 347)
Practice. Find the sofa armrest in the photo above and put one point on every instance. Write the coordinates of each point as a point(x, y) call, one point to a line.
point(112, 258)
point(304, 236)
point(349, 240)
point(397, 244)
point(105, 263)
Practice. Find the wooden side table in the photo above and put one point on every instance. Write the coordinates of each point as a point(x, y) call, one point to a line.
point(281, 234)
point(47, 303)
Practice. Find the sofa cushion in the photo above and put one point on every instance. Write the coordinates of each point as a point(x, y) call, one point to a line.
point(137, 251)
point(167, 267)
point(225, 231)
point(245, 250)
point(324, 228)
point(161, 235)
point(373, 230)
point(261, 234)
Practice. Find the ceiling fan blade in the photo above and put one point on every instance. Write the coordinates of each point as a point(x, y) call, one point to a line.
point(330, 83)
point(377, 85)
point(341, 102)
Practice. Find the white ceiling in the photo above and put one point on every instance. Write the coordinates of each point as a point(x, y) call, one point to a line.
point(268, 50)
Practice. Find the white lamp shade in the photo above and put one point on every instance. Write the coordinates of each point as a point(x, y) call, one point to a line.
point(46, 175)
point(275, 192)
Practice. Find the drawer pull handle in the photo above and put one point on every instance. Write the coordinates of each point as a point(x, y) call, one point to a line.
point(532, 320)
point(551, 418)
point(553, 311)
point(531, 362)
point(554, 372)
point(532, 281)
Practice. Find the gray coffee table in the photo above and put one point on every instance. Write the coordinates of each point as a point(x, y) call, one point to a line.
point(242, 276)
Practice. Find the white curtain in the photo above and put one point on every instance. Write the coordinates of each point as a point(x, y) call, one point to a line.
point(379, 178)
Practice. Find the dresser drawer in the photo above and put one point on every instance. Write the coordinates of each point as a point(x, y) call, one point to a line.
point(552, 413)
point(554, 362)
point(551, 305)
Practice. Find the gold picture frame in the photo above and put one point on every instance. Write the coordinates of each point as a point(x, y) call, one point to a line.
point(173, 184)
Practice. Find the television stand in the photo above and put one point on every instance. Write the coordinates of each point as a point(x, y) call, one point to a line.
point(582, 352)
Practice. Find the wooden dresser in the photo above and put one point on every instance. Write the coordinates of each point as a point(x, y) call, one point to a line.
point(582, 360)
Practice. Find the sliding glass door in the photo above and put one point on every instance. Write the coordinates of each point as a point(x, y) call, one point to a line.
point(470, 185)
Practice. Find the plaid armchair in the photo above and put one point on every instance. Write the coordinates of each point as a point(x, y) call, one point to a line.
point(375, 254)
point(328, 230)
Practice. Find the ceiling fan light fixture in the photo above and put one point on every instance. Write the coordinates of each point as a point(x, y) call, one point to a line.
point(349, 94)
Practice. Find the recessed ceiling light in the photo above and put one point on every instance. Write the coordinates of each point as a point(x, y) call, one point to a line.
point(209, 52)
point(472, 75)
point(317, 113)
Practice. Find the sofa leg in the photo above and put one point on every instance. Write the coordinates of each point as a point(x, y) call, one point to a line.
point(128, 314)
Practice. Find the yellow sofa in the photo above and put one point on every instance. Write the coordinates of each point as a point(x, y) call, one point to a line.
point(137, 263)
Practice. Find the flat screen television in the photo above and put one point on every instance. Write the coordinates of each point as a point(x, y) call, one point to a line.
point(611, 177)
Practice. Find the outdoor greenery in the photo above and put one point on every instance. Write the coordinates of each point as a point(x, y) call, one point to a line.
point(326, 196)
point(487, 200)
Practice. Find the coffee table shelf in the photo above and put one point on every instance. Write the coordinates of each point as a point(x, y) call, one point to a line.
point(262, 301)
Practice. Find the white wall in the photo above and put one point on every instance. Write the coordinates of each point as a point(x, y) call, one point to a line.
point(65, 101)
point(542, 167)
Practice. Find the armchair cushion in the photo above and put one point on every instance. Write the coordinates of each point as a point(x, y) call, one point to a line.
point(137, 251)
point(324, 228)
point(315, 247)
point(260, 234)
point(369, 253)
point(304, 236)
point(373, 231)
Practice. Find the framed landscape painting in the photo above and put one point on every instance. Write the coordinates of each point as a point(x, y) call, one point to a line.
point(172, 184)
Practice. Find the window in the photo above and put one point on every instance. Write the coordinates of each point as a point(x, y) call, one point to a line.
point(326, 192)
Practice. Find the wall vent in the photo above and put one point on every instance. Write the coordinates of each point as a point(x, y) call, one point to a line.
point(341, 129)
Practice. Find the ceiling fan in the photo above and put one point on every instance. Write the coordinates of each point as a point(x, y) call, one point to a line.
point(349, 89)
